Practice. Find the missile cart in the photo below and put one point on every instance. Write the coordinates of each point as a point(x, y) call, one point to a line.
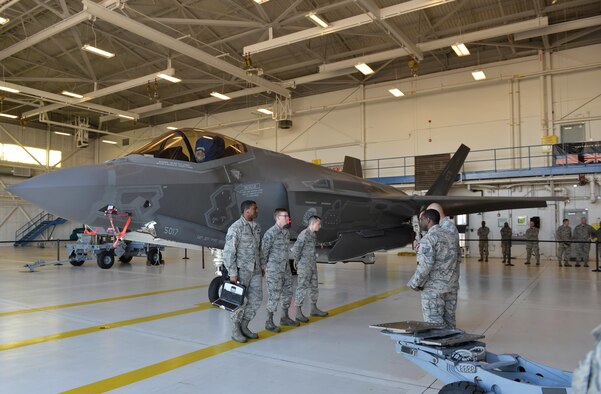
point(461, 362)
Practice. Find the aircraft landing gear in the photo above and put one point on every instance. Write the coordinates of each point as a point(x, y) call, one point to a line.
point(106, 259)
point(217, 282)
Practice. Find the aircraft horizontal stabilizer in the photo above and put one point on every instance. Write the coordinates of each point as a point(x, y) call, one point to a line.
point(359, 243)
point(455, 205)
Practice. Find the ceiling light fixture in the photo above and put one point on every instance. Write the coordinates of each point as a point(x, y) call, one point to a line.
point(9, 116)
point(478, 75)
point(265, 111)
point(10, 90)
point(71, 94)
point(260, 1)
point(317, 20)
point(396, 92)
point(3, 20)
point(220, 96)
point(62, 133)
point(98, 51)
point(169, 78)
point(364, 68)
point(460, 49)
point(109, 142)
point(171, 128)
point(126, 117)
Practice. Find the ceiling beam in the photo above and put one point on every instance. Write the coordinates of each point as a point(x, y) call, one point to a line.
point(559, 28)
point(208, 22)
point(176, 45)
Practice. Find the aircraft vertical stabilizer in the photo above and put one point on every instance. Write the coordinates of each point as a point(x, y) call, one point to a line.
point(352, 166)
point(443, 183)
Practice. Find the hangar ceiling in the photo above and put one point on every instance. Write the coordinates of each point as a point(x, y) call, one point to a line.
point(204, 42)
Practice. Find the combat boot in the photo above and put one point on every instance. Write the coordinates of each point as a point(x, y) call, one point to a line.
point(246, 331)
point(566, 264)
point(287, 321)
point(269, 325)
point(486, 260)
point(237, 333)
point(560, 263)
point(503, 260)
point(577, 264)
point(315, 311)
point(299, 315)
point(586, 264)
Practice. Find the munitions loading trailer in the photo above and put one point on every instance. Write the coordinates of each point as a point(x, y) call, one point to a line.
point(461, 362)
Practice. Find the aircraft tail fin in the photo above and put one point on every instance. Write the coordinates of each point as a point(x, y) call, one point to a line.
point(443, 183)
point(352, 166)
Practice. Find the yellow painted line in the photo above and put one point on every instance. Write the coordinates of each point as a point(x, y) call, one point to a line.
point(103, 327)
point(54, 307)
point(137, 375)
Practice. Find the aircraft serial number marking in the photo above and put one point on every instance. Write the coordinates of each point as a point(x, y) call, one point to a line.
point(171, 230)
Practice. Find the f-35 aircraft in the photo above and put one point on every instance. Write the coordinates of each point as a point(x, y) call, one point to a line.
point(184, 188)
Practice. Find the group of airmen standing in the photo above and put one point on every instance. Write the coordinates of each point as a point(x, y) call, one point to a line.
point(247, 259)
point(582, 236)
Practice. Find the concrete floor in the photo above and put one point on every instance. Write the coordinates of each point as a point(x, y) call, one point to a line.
point(121, 336)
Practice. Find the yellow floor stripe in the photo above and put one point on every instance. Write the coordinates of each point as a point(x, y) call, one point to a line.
point(137, 375)
point(103, 327)
point(53, 307)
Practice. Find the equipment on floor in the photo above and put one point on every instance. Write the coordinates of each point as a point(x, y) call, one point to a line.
point(461, 362)
point(232, 296)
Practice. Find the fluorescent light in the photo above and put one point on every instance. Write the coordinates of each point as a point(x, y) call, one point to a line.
point(172, 128)
point(265, 111)
point(169, 78)
point(396, 93)
point(460, 49)
point(11, 90)
point(61, 133)
point(364, 68)
point(260, 1)
point(3, 20)
point(478, 75)
point(126, 116)
point(109, 142)
point(98, 51)
point(71, 94)
point(317, 20)
point(220, 96)
point(9, 116)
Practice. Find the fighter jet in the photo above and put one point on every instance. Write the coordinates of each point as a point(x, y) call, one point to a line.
point(184, 188)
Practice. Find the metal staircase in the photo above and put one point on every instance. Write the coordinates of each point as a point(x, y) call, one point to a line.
point(30, 231)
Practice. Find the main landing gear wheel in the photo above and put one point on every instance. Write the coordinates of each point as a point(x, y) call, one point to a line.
point(215, 288)
point(461, 388)
point(154, 256)
point(105, 259)
point(125, 259)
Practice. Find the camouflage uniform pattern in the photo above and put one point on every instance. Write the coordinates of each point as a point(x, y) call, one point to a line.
point(532, 244)
point(563, 235)
point(450, 299)
point(587, 376)
point(303, 252)
point(583, 232)
point(242, 259)
point(274, 259)
point(483, 242)
point(506, 242)
point(436, 262)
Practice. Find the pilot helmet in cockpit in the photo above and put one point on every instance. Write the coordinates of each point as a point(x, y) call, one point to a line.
point(209, 148)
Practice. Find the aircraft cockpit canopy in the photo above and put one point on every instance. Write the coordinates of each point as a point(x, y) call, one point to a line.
point(193, 145)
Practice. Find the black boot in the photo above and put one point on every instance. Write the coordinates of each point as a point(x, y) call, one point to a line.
point(270, 325)
point(246, 331)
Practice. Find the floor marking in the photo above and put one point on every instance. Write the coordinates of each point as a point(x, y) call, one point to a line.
point(54, 307)
point(137, 375)
point(102, 327)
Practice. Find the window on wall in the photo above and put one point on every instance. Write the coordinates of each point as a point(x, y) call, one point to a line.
point(16, 154)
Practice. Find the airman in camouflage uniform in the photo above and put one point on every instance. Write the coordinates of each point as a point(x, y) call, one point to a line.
point(303, 253)
point(532, 244)
point(274, 261)
point(583, 232)
point(563, 235)
point(483, 241)
point(242, 261)
point(587, 376)
point(451, 297)
point(437, 260)
point(506, 243)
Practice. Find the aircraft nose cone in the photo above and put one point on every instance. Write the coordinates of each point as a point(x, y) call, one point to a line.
point(68, 193)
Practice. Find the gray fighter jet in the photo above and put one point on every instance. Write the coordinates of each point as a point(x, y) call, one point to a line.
point(185, 187)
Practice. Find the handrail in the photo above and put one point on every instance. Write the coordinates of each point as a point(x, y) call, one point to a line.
point(33, 223)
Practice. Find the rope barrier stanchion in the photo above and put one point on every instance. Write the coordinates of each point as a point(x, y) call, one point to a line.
point(185, 254)
point(596, 257)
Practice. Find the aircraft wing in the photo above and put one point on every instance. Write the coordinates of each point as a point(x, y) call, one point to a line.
point(457, 205)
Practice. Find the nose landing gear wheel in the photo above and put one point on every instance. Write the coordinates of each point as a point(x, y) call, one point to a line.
point(154, 257)
point(215, 288)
